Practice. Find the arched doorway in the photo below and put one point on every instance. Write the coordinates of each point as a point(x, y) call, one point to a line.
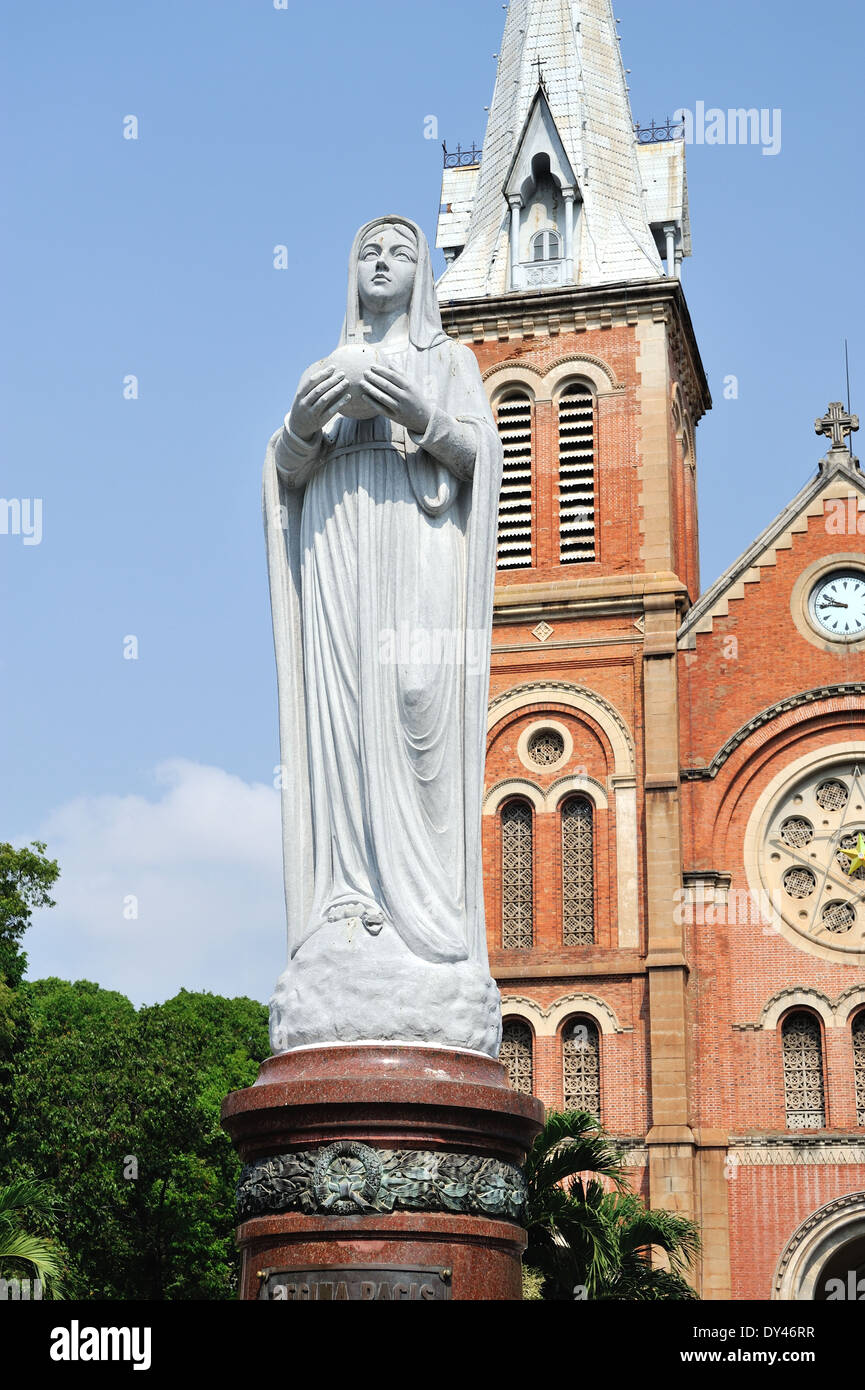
point(824, 1260)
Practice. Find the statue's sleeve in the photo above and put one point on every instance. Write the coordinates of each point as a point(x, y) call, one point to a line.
point(460, 411)
point(296, 459)
point(449, 441)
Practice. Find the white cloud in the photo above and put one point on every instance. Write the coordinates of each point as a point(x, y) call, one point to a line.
point(203, 861)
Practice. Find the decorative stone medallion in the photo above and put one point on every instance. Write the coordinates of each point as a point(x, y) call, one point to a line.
point(346, 1178)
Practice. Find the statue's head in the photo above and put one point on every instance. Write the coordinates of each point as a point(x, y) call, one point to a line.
point(389, 272)
point(387, 265)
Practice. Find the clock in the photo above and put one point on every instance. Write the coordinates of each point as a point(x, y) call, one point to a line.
point(837, 604)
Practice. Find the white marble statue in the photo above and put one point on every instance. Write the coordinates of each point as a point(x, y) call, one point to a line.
point(380, 505)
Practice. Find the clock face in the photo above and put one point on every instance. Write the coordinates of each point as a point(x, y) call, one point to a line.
point(837, 604)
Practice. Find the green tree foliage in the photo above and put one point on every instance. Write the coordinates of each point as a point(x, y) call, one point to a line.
point(118, 1110)
point(588, 1231)
point(26, 876)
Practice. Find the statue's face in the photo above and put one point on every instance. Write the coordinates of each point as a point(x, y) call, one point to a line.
point(386, 269)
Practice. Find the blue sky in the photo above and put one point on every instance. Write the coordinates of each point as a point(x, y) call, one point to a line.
point(152, 778)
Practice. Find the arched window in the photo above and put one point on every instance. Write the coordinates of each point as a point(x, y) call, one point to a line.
point(546, 246)
point(581, 1051)
point(514, 417)
point(578, 872)
point(516, 1054)
point(576, 475)
point(802, 1051)
point(859, 1065)
point(517, 875)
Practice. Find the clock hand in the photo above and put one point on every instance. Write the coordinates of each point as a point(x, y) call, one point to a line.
point(832, 603)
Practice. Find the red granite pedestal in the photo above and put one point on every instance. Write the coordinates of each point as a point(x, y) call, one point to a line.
point(379, 1171)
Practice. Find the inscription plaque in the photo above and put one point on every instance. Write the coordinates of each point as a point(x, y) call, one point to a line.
point(356, 1283)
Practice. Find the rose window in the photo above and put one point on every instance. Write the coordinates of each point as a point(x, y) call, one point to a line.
point(811, 858)
point(546, 747)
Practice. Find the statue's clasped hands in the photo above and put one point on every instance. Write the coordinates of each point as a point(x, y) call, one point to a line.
point(323, 391)
point(397, 397)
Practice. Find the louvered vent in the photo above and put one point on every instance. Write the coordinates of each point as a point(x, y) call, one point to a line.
point(576, 475)
point(515, 502)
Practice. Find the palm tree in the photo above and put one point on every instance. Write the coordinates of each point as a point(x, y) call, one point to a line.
point(639, 1231)
point(587, 1230)
point(38, 1257)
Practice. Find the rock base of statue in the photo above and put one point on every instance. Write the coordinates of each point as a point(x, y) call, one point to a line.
point(393, 994)
point(381, 1171)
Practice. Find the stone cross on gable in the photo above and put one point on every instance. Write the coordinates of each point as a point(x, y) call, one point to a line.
point(837, 423)
point(538, 63)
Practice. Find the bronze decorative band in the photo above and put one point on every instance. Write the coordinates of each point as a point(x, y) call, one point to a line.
point(351, 1178)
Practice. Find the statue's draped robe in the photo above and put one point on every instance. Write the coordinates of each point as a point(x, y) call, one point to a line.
point(381, 549)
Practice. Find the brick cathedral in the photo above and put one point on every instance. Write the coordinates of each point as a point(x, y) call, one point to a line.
point(674, 827)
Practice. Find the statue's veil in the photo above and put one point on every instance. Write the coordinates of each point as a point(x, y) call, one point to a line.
point(425, 320)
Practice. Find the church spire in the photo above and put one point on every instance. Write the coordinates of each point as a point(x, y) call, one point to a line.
point(560, 194)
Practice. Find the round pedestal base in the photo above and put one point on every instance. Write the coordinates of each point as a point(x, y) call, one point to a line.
point(381, 1172)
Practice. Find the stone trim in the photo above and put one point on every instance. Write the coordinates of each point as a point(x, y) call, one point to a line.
point(781, 1152)
point(544, 802)
point(594, 369)
point(519, 374)
point(835, 1015)
point(513, 787)
point(634, 1156)
point(546, 1022)
point(786, 999)
point(848, 1003)
point(805, 697)
point(352, 1178)
point(565, 786)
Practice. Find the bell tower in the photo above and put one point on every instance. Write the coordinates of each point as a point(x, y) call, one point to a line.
point(564, 240)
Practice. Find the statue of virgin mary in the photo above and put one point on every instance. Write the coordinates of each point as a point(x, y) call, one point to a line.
point(380, 508)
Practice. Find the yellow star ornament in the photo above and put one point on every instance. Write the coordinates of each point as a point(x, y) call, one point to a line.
point(857, 855)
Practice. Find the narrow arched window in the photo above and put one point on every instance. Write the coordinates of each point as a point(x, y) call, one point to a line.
point(514, 418)
point(576, 475)
point(581, 1057)
point(516, 1054)
point(517, 876)
point(802, 1051)
point(546, 246)
point(578, 872)
point(859, 1066)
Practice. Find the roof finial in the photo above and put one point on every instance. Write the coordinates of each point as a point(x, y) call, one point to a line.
point(837, 424)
